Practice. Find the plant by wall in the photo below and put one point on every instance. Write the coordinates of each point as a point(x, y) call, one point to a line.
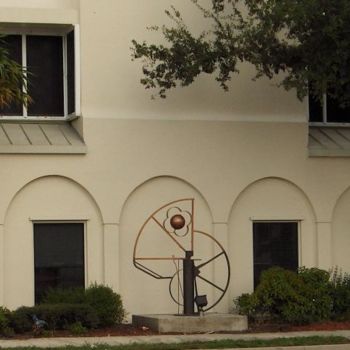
point(340, 294)
point(286, 296)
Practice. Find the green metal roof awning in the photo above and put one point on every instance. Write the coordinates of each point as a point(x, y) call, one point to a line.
point(40, 138)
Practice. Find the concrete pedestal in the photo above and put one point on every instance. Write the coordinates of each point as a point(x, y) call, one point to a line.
point(210, 322)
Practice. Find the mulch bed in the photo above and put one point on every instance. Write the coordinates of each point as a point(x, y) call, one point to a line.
point(322, 326)
point(129, 330)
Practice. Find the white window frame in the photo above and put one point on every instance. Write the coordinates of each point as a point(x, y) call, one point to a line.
point(50, 30)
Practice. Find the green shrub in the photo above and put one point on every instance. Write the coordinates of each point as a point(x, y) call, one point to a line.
point(246, 304)
point(286, 296)
point(313, 302)
point(21, 319)
point(107, 304)
point(4, 321)
point(8, 332)
point(64, 296)
point(340, 293)
point(77, 328)
point(57, 316)
point(277, 292)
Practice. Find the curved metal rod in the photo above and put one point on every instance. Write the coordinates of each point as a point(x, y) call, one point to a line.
point(171, 293)
point(223, 252)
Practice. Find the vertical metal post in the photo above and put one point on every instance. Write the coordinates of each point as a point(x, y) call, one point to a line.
point(188, 283)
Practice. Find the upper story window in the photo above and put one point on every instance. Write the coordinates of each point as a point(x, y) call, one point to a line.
point(329, 111)
point(50, 58)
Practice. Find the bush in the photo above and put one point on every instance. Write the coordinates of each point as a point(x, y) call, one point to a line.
point(340, 293)
point(286, 296)
point(77, 328)
point(5, 330)
point(57, 316)
point(246, 304)
point(21, 320)
point(107, 304)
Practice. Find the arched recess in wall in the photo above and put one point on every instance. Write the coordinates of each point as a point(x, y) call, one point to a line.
point(51, 199)
point(268, 199)
point(341, 232)
point(142, 293)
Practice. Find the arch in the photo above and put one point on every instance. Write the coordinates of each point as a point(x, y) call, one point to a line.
point(272, 178)
point(341, 231)
point(158, 177)
point(52, 176)
point(54, 199)
point(267, 199)
point(141, 293)
point(338, 200)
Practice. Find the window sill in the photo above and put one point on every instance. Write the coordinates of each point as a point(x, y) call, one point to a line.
point(21, 119)
point(18, 137)
point(329, 141)
point(330, 125)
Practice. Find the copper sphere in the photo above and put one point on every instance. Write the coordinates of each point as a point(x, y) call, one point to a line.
point(177, 222)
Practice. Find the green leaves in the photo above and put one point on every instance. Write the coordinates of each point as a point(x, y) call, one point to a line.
point(13, 79)
point(307, 40)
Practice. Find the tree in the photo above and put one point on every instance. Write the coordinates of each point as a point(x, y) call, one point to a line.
point(306, 40)
point(13, 77)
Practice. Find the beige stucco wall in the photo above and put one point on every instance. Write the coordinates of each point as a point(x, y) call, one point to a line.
point(242, 155)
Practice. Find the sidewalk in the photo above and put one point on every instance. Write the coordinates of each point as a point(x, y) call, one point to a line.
point(59, 342)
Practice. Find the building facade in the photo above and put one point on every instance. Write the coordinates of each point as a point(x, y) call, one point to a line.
point(94, 156)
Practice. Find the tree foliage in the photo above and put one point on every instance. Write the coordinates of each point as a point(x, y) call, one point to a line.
point(306, 40)
point(13, 77)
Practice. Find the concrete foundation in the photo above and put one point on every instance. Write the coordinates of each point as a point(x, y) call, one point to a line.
point(211, 322)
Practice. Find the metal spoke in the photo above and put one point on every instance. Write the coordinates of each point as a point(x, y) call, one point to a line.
point(211, 283)
point(210, 260)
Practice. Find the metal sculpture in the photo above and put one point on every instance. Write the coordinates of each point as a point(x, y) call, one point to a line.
point(175, 223)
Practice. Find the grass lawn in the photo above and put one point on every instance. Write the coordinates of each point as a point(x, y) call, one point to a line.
point(218, 344)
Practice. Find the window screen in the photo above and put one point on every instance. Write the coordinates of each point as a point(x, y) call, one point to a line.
point(45, 63)
point(13, 44)
point(274, 244)
point(58, 256)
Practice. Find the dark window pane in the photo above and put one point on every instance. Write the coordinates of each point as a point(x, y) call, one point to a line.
point(70, 72)
point(13, 43)
point(315, 110)
point(335, 113)
point(45, 62)
point(274, 244)
point(58, 256)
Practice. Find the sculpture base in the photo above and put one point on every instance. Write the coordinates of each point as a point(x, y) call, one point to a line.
point(210, 322)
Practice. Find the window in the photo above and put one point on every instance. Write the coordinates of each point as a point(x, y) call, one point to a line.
point(58, 256)
point(274, 244)
point(329, 111)
point(51, 63)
